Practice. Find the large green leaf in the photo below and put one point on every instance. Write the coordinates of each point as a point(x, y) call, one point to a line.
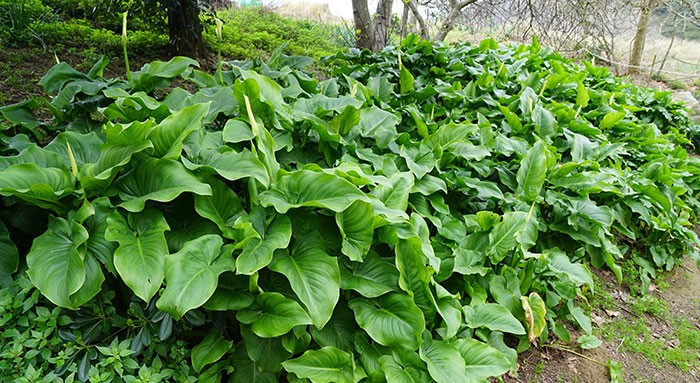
point(133, 133)
point(232, 293)
point(134, 107)
point(43, 187)
point(58, 76)
point(482, 361)
point(325, 365)
point(57, 265)
point(395, 195)
point(97, 245)
point(221, 207)
point(267, 353)
point(21, 114)
point(257, 251)
point(444, 361)
point(582, 96)
point(406, 79)
point(83, 148)
point(209, 350)
point(191, 274)
point(112, 158)
point(396, 373)
point(504, 236)
point(339, 331)
point(372, 278)
point(273, 315)
point(159, 74)
point(313, 275)
point(313, 189)
point(492, 316)
point(9, 257)
point(532, 172)
point(414, 274)
point(391, 320)
point(560, 263)
point(248, 371)
point(450, 309)
point(610, 119)
point(140, 257)
point(35, 155)
point(378, 124)
point(167, 137)
point(544, 121)
point(158, 180)
point(229, 164)
point(356, 225)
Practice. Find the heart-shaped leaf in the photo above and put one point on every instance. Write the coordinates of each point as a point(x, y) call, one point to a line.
point(313, 275)
point(391, 320)
point(273, 315)
point(312, 189)
point(157, 180)
point(140, 257)
point(324, 365)
point(192, 273)
point(58, 265)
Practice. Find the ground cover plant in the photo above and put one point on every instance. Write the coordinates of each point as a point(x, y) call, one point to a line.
point(423, 214)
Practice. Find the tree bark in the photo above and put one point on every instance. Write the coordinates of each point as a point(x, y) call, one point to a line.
point(363, 24)
point(640, 37)
point(416, 13)
point(404, 21)
point(381, 25)
point(185, 29)
point(455, 10)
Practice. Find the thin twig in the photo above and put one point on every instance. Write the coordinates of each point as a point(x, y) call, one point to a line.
point(588, 358)
point(640, 66)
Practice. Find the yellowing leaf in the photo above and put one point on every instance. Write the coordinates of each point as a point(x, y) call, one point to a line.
point(535, 311)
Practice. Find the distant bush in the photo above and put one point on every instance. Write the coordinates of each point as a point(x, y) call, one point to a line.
point(253, 32)
point(106, 14)
point(19, 20)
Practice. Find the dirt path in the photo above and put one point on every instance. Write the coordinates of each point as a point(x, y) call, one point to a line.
point(655, 339)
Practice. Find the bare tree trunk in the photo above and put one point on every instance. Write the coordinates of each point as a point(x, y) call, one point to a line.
point(381, 24)
point(455, 10)
point(363, 24)
point(404, 21)
point(640, 37)
point(416, 13)
point(185, 29)
point(670, 45)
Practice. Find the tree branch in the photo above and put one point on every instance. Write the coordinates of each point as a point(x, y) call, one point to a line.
point(421, 21)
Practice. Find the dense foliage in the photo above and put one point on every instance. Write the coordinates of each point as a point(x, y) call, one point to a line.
point(421, 215)
point(248, 33)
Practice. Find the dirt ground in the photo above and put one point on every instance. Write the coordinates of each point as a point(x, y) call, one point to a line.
point(555, 365)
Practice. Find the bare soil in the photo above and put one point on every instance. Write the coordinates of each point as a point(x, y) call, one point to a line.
point(554, 364)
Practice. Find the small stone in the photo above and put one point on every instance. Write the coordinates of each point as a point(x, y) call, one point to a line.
point(690, 102)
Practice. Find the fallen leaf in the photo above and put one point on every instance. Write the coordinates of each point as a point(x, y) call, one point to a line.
point(599, 320)
point(612, 313)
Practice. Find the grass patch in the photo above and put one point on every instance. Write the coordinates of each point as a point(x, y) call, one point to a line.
point(654, 333)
